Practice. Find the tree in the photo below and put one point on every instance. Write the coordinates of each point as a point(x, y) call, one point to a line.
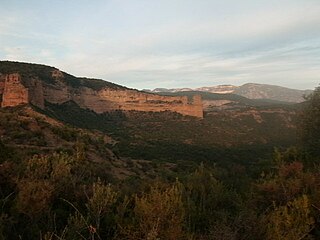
point(310, 124)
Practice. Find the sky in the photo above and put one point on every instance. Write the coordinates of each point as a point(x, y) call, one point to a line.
point(146, 44)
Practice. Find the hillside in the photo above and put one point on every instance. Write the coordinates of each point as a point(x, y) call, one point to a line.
point(26, 133)
point(70, 171)
point(44, 73)
point(213, 152)
point(170, 137)
point(263, 92)
point(149, 126)
point(22, 83)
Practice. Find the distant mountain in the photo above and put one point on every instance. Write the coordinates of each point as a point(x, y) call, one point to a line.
point(218, 101)
point(249, 90)
point(221, 89)
point(265, 91)
point(159, 90)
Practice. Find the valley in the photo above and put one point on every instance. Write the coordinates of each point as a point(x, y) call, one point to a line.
point(183, 128)
point(159, 120)
point(200, 161)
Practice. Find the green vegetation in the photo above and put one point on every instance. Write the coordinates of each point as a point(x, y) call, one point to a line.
point(63, 196)
point(310, 124)
point(72, 114)
point(27, 70)
point(60, 197)
point(223, 137)
point(155, 176)
point(44, 73)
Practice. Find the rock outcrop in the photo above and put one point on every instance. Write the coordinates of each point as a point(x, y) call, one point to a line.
point(16, 89)
point(108, 99)
point(13, 92)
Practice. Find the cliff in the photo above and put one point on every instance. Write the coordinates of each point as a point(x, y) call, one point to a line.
point(22, 86)
point(13, 92)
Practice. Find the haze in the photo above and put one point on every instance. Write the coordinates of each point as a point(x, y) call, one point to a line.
point(176, 43)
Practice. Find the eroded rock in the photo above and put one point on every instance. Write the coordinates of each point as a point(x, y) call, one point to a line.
point(32, 90)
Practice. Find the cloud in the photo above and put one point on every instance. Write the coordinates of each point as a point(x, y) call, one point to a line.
point(146, 44)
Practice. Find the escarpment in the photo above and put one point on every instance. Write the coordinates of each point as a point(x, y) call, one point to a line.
point(56, 87)
point(14, 92)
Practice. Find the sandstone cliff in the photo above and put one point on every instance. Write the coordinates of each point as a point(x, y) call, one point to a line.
point(108, 99)
point(13, 92)
point(57, 87)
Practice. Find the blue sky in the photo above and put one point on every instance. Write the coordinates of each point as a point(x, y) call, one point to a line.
point(168, 43)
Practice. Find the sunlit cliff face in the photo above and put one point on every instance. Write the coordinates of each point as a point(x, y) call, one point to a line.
point(15, 92)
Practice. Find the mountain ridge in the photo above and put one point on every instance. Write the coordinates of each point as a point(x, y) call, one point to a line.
point(23, 83)
point(248, 90)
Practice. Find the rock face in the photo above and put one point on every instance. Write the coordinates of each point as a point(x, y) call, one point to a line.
point(16, 90)
point(35, 92)
point(15, 93)
point(108, 99)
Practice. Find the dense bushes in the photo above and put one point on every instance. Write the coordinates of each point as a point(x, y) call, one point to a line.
point(310, 124)
point(66, 196)
point(60, 198)
point(44, 73)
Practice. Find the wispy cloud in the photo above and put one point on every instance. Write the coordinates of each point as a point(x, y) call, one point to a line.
point(146, 44)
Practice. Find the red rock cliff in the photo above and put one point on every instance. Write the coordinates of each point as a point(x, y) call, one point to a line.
point(108, 99)
point(14, 92)
point(32, 90)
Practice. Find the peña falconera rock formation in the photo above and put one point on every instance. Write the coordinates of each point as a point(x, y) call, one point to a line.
point(22, 83)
